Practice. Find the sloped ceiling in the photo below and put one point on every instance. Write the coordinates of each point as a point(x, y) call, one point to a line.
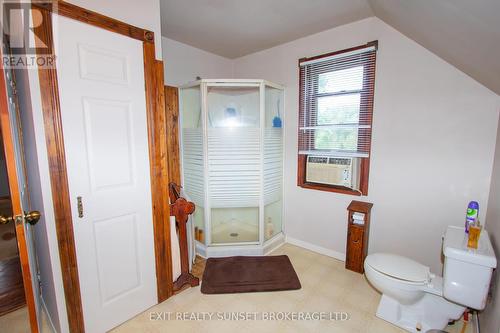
point(465, 33)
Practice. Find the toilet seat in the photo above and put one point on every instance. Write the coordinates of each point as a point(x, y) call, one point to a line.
point(399, 268)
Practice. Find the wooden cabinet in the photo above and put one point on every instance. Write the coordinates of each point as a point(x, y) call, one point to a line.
point(354, 259)
point(357, 235)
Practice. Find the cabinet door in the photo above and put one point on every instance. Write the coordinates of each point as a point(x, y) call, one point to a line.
point(354, 258)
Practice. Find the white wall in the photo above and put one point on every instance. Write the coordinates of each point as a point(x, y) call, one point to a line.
point(183, 63)
point(433, 142)
point(143, 14)
point(489, 319)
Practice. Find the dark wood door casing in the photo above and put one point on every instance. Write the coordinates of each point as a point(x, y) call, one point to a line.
point(173, 145)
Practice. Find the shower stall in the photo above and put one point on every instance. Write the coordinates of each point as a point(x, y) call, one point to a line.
point(232, 164)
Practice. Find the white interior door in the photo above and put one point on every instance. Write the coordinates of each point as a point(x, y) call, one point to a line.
point(103, 107)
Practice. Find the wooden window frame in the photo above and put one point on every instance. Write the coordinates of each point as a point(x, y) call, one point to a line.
point(157, 139)
point(367, 95)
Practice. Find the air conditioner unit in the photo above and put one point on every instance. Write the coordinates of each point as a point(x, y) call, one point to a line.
point(332, 170)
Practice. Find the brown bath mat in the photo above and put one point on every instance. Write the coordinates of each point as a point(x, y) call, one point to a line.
point(248, 274)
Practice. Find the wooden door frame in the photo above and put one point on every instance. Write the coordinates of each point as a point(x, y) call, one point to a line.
point(173, 145)
point(155, 108)
point(15, 198)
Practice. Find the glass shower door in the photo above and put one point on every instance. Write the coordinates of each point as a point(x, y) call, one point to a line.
point(234, 168)
point(192, 155)
point(273, 162)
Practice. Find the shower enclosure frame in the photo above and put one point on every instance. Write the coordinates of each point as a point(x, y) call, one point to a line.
point(261, 246)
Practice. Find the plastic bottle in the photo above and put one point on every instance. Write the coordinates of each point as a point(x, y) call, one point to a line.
point(474, 233)
point(269, 228)
point(472, 214)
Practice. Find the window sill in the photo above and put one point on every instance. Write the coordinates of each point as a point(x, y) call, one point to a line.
point(330, 188)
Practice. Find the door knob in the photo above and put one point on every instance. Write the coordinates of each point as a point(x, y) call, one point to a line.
point(5, 219)
point(32, 217)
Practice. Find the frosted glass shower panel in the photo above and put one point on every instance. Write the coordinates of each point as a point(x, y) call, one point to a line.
point(233, 107)
point(232, 150)
point(234, 162)
point(273, 162)
point(235, 225)
point(192, 152)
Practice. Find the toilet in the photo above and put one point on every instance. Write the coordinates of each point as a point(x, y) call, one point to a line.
point(417, 300)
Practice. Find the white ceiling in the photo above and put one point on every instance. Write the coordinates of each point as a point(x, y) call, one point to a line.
point(466, 33)
point(233, 28)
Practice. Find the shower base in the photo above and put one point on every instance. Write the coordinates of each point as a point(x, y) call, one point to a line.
point(240, 249)
point(243, 232)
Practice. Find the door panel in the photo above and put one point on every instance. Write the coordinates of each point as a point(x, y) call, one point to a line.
point(105, 151)
point(103, 108)
point(102, 64)
point(354, 258)
point(14, 157)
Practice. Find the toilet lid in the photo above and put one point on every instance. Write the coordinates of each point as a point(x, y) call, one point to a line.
point(398, 267)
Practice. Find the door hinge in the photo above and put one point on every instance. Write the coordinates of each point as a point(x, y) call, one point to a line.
point(39, 280)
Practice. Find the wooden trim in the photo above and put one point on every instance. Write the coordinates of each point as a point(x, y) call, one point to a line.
point(368, 93)
point(74, 12)
point(369, 98)
point(330, 188)
point(329, 54)
point(173, 146)
point(301, 169)
point(59, 182)
point(10, 161)
point(155, 105)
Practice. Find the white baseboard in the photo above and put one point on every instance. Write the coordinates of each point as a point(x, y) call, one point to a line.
point(201, 250)
point(47, 315)
point(249, 250)
point(475, 323)
point(274, 243)
point(316, 248)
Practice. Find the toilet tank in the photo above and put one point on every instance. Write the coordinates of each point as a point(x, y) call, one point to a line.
point(467, 272)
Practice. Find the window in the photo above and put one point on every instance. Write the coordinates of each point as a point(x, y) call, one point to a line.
point(335, 118)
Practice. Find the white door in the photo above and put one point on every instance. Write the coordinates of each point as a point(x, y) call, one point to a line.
point(103, 107)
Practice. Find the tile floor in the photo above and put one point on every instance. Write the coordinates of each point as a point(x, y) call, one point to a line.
point(326, 287)
point(18, 322)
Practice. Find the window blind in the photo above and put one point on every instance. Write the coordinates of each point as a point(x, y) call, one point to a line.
point(336, 102)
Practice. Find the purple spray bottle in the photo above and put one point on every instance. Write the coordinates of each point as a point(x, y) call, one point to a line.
point(472, 214)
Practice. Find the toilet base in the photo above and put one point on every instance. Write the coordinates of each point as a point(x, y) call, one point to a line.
point(431, 312)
